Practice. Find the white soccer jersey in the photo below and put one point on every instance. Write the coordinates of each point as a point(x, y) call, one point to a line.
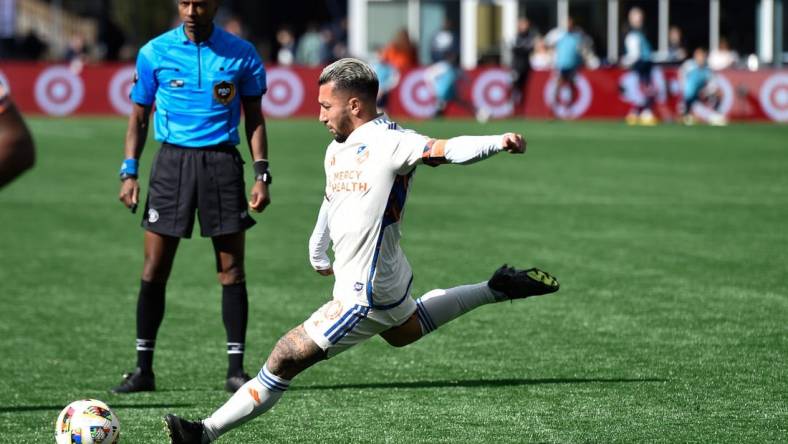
point(367, 182)
point(368, 178)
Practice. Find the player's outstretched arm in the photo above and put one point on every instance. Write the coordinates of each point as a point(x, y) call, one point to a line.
point(465, 150)
point(319, 242)
point(136, 134)
point(17, 153)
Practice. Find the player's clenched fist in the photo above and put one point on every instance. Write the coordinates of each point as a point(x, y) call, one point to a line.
point(514, 143)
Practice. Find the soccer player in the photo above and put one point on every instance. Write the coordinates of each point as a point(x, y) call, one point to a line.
point(201, 78)
point(637, 58)
point(568, 59)
point(696, 81)
point(369, 169)
point(17, 152)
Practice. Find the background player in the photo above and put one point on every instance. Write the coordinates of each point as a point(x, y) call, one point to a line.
point(369, 167)
point(637, 57)
point(200, 77)
point(697, 85)
point(17, 153)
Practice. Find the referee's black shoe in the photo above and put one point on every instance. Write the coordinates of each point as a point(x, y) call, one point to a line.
point(235, 382)
point(136, 381)
point(520, 284)
point(182, 431)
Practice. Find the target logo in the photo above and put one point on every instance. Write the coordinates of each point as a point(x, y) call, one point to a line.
point(58, 91)
point(491, 91)
point(568, 109)
point(719, 85)
point(417, 95)
point(285, 93)
point(120, 89)
point(774, 97)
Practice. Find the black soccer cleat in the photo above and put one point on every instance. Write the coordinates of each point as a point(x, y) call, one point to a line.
point(235, 382)
point(520, 284)
point(136, 381)
point(182, 431)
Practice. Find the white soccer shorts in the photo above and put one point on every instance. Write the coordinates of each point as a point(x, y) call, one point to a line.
point(343, 323)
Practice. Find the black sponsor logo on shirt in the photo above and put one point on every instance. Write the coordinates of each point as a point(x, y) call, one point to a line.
point(224, 92)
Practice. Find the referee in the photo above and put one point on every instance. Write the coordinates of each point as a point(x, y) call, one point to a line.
point(200, 78)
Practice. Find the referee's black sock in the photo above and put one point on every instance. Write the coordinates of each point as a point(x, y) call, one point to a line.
point(235, 313)
point(150, 312)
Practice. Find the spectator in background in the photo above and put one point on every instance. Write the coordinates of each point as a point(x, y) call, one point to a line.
point(676, 51)
point(541, 58)
point(637, 58)
point(723, 57)
point(309, 47)
point(76, 53)
point(400, 52)
point(286, 40)
point(522, 48)
point(444, 42)
point(388, 79)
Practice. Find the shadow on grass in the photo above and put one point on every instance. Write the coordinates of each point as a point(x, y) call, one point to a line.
point(477, 383)
point(34, 408)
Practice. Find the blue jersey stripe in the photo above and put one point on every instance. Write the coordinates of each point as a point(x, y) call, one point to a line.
point(391, 214)
point(358, 318)
point(341, 320)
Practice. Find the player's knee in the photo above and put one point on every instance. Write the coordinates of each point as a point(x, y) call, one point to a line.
point(233, 275)
point(154, 271)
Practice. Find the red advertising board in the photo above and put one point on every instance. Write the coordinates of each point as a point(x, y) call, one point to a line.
point(58, 90)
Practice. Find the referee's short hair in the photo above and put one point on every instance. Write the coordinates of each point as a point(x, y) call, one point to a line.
point(351, 75)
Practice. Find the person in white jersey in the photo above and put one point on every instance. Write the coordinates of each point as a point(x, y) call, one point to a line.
point(369, 167)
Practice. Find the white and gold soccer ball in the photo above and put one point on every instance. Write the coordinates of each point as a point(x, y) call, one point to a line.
point(88, 421)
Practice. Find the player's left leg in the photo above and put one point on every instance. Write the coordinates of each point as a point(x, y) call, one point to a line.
point(438, 307)
point(292, 354)
point(229, 253)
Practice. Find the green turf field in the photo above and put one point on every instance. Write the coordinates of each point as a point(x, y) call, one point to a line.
point(671, 245)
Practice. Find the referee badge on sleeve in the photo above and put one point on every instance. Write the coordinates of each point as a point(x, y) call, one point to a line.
point(224, 92)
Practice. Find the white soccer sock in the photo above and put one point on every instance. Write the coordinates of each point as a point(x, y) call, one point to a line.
point(254, 398)
point(441, 306)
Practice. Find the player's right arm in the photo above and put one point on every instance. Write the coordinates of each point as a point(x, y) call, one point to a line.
point(319, 242)
point(143, 94)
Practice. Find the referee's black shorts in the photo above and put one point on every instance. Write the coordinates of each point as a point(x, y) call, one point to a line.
point(209, 180)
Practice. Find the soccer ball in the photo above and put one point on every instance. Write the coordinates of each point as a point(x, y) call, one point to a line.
point(88, 421)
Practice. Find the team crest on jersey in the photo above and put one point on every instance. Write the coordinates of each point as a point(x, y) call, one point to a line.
point(362, 154)
point(358, 286)
point(224, 92)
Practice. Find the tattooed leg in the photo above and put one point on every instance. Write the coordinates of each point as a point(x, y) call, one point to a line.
point(294, 353)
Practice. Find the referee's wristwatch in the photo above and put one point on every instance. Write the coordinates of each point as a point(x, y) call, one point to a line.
point(261, 172)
